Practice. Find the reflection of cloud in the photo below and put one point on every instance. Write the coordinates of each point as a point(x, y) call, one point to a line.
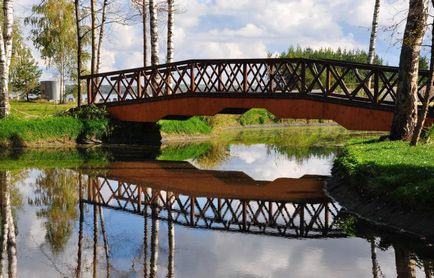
point(261, 163)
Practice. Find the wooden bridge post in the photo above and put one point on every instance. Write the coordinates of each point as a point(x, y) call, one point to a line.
point(89, 91)
point(328, 81)
point(139, 85)
point(376, 86)
point(303, 77)
point(244, 215)
point(192, 208)
point(245, 80)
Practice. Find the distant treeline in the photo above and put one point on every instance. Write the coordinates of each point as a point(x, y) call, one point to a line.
point(353, 55)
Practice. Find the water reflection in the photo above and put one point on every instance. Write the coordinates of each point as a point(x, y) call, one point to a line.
point(152, 218)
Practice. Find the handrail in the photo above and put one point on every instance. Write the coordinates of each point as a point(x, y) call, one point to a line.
point(329, 79)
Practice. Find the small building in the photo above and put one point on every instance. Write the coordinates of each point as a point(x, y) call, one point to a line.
point(50, 90)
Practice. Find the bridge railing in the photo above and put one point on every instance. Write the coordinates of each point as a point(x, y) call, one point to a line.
point(354, 82)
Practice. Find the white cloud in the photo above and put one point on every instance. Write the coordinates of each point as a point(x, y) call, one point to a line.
point(251, 28)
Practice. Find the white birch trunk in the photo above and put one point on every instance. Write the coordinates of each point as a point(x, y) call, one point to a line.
point(5, 56)
point(155, 60)
point(101, 35)
point(170, 26)
point(374, 30)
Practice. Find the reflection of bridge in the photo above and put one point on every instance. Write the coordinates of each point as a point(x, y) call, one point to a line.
point(357, 96)
point(167, 186)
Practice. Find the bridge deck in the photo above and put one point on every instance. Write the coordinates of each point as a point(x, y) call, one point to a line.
point(358, 96)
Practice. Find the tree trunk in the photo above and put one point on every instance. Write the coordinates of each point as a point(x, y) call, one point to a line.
point(405, 265)
point(155, 60)
point(5, 56)
point(171, 236)
point(405, 115)
point(374, 30)
point(154, 238)
point(79, 47)
point(170, 26)
point(93, 61)
point(427, 95)
point(374, 259)
point(101, 35)
point(4, 187)
point(145, 33)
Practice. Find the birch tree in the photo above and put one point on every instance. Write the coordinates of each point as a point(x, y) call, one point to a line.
point(406, 108)
point(427, 96)
point(153, 13)
point(170, 26)
point(6, 28)
point(143, 9)
point(374, 30)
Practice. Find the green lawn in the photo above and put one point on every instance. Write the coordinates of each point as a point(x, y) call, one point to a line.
point(392, 170)
point(36, 123)
point(28, 110)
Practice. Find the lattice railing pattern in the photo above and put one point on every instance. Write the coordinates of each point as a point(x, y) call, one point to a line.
point(352, 82)
point(288, 219)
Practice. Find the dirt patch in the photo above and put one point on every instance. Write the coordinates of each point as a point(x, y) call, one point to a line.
point(389, 216)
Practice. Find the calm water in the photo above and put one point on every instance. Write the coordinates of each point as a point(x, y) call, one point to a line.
point(221, 210)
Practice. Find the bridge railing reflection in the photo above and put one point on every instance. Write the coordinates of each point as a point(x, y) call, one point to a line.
point(304, 219)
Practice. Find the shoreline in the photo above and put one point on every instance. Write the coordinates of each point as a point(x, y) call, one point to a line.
point(389, 216)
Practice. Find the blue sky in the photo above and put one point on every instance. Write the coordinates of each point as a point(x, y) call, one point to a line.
point(252, 28)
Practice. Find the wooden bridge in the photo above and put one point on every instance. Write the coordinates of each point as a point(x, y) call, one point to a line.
point(229, 201)
point(357, 96)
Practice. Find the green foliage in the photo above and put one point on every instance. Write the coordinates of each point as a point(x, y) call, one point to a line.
point(18, 131)
point(21, 109)
point(194, 125)
point(91, 112)
point(24, 70)
point(356, 56)
point(257, 116)
point(184, 152)
point(393, 170)
point(73, 158)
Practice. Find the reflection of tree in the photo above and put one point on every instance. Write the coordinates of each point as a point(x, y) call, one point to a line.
point(405, 263)
point(56, 194)
point(155, 229)
point(214, 157)
point(7, 232)
point(171, 237)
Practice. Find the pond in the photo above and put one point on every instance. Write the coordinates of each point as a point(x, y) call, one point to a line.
point(232, 207)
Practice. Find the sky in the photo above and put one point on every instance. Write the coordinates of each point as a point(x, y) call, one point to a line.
point(253, 28)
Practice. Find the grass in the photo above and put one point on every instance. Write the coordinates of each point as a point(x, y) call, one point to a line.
point(36, 124)
point(18, 159)
point(194, 125)
point(31, 110)
point(392, 170)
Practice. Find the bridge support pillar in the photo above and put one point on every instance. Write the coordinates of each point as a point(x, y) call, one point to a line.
point(135, 133)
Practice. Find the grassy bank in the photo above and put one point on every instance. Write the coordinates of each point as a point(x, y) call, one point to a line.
point(390, 171)
point(38, 124)
point(18, 159)
point(217, 123)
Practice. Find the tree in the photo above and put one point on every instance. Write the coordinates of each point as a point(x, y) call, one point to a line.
point(5, 55)
point(24, 70)
point(374, 31)
point(406, 108)
point(54, 35)
point(25, 74)
point(427, 96)
point(170, 26)
point(155, 60)
point(143, 8)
